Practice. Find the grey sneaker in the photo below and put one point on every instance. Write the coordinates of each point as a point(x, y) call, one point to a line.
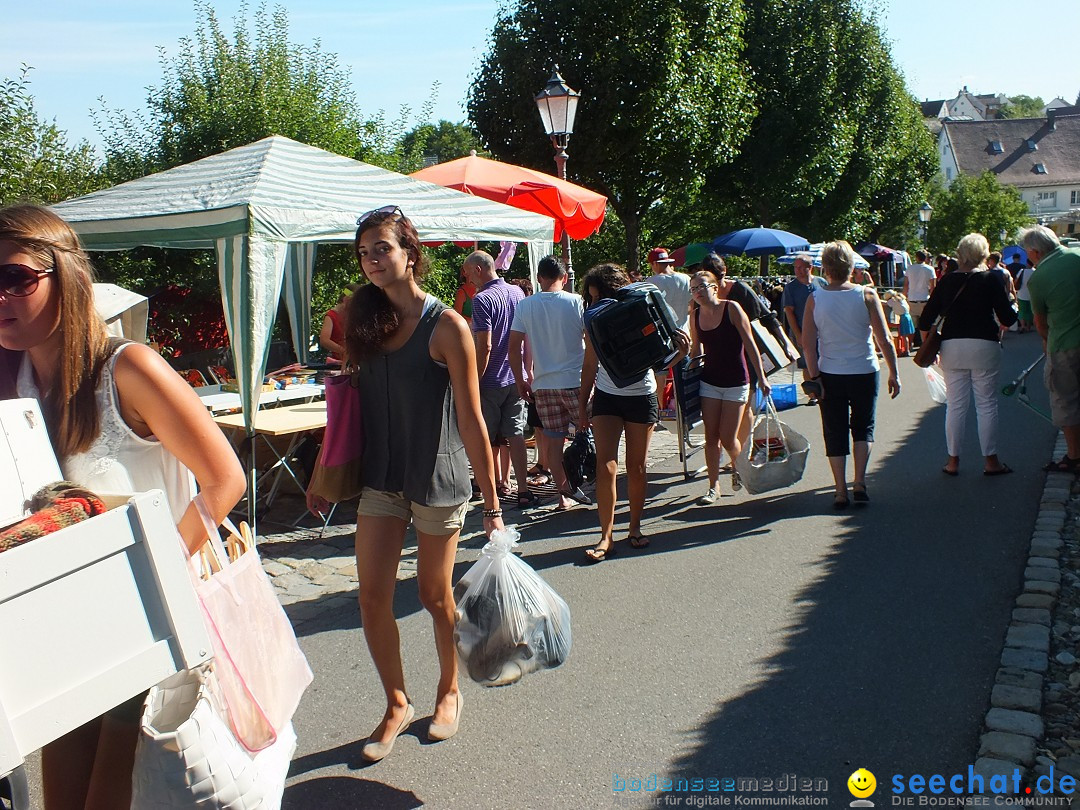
point(736, 481)
point(708, 498)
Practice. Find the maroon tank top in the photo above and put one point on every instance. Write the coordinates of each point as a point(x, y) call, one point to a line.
point(725, 363)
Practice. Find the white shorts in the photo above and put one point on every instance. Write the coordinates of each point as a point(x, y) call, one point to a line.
point(737, 393)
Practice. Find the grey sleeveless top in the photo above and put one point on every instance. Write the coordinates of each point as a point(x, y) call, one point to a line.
point(411, 439)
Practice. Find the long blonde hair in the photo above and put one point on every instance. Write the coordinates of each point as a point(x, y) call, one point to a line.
point(69, 407)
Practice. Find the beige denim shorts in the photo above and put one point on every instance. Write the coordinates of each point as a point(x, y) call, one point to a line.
point(434, 520)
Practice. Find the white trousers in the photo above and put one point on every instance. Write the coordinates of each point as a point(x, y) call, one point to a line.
point(971, 367)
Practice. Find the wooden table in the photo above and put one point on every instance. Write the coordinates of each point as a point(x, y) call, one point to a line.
point(290, 420)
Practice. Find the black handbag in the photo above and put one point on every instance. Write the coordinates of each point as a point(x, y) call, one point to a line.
point(931, 345)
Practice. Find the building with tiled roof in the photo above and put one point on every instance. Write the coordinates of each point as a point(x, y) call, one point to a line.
point(1040, 157)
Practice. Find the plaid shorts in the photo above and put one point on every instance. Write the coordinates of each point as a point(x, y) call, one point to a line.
point(558, 407)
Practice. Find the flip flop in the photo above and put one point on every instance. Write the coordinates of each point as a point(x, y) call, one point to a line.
point(1066, 464)
point(1004, 469)
point(637, 540)
point(598, 555)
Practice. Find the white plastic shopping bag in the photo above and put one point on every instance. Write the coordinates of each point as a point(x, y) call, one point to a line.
point(509, 621)
point(935, 381)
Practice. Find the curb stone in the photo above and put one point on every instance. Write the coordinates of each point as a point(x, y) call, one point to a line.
point(1028, 715)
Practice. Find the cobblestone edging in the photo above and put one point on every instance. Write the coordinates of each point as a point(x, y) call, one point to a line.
point(1033, 720)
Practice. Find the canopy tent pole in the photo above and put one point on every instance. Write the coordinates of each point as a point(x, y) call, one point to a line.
point(299, 265)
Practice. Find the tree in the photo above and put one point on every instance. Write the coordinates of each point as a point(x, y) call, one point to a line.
point(219, 92)
point(975, 205)
point(36, 163)
point(838, 148)
point(1024, 107)
point(892, 160)
point(443, 142)
point(664, 96)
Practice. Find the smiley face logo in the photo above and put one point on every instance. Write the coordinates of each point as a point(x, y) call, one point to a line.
point(861, 783)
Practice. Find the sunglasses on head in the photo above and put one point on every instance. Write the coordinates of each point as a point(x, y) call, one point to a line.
point(386, 212)
point(19, 281)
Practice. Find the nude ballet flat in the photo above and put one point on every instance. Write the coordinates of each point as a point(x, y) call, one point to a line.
point(375, 751)
point(437, 732)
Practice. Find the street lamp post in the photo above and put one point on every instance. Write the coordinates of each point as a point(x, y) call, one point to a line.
point(925, 212)
point(557, 104)
point(1003, 234)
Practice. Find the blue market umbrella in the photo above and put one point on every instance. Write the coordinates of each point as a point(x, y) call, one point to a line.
point(815, 257)
point(758, 242)
point(1014, 253)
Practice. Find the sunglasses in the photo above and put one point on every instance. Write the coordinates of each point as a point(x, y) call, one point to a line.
point(19, 281)
point(386, 212)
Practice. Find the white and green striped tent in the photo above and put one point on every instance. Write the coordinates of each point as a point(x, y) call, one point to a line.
point(264, 207)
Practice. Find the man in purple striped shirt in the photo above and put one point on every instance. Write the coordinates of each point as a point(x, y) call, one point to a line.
point(493, 310)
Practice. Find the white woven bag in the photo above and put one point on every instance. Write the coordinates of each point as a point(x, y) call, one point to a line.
point(188, 757)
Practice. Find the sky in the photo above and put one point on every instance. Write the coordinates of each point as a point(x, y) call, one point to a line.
point(84, 51)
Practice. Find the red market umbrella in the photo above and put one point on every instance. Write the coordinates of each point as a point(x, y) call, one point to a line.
point(574, 208)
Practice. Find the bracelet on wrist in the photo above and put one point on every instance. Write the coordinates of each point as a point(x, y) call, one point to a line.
point(492, 513)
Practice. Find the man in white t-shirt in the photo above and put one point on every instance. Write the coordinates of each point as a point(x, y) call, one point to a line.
point(919, 281)
point(676, 289)
point(551, 320)
point(674, 285)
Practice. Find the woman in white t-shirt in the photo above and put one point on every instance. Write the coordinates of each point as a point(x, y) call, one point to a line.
point(120, 419)
point(632, 411)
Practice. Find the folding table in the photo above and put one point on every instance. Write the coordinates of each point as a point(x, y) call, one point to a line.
point(290, 420)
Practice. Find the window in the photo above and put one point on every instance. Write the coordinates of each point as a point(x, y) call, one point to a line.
point(1049, 197)
point(1074, 198)
point(1040, 168)
point(1031, 145)
point(996, 148)
point(948, 172)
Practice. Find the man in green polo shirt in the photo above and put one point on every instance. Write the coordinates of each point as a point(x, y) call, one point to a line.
point(1055, 301)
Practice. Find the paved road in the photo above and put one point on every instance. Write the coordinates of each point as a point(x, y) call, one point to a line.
point(760, 637)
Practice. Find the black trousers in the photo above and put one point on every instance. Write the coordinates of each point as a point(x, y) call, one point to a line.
point(847, 408)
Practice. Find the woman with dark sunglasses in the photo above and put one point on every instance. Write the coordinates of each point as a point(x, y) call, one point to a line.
point(121, 421)
point(415, 366)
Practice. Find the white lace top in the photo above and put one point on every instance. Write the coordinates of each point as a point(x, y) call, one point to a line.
point(120, 462)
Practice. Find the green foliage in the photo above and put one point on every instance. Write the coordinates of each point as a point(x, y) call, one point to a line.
point(223, 90)
point(444, 141)
point(219, 92)
point(36, 163)
point(1024, 107)
point(975, 205)
point(664, 96)
point(838, 148)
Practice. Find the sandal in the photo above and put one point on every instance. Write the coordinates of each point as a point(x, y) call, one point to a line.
point(1066, 464)
point(599, 554)
point(840, 501)
point(637, 540)
point(527, 499)
point(504, 490)
point(859, 493)
point(1004, 469)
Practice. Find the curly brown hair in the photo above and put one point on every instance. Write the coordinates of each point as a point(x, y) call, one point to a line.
point(605, 279)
